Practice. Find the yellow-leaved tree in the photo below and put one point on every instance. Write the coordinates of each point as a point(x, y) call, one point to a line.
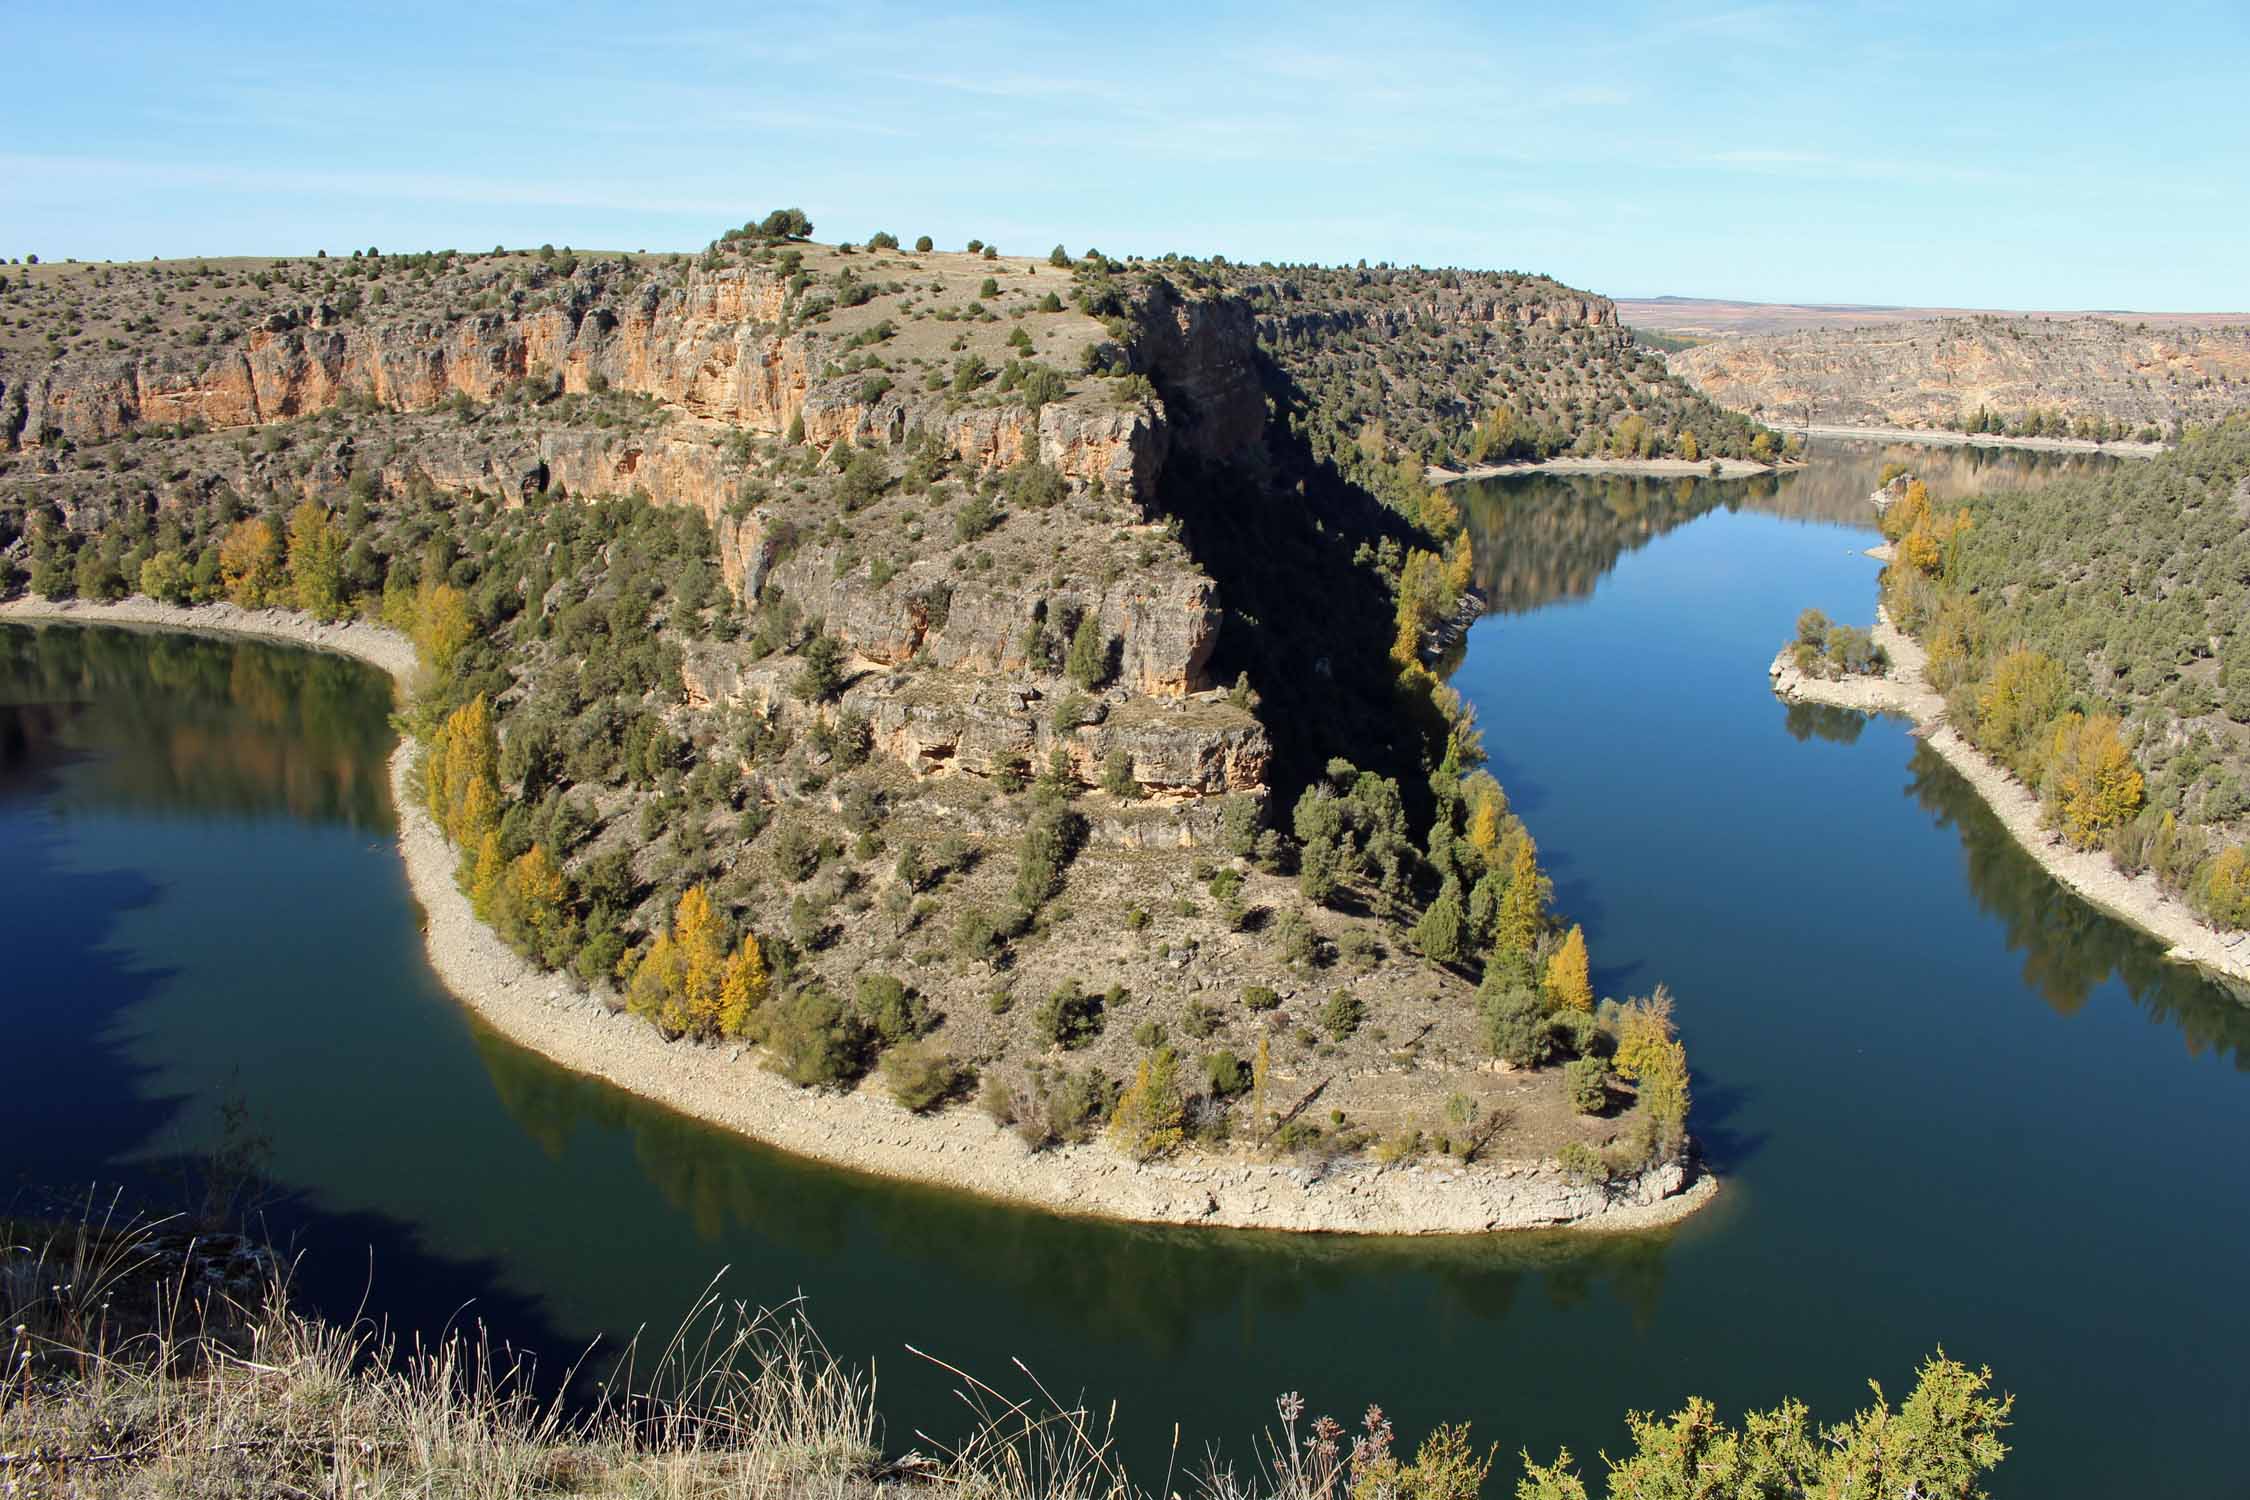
point(442, 625)
point(1148, 1120)
point(745, 988)
point(2016, 703)
point(2096, 785)
point(250, 564)
point(689, 984)
point(1569, 975)
point(1523, 908)
point(461, 773)
point(537, 890)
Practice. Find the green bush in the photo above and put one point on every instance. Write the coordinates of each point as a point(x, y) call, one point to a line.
point(923, 244)
point(821, 677)
point(921, 1077)
point(795, 852)
point(1080, 1104)
point(1225, 1074)
point(1260, 997)
point(1069, 1018)
point(1343, 1015)
point(1586, 1084)
point(1582, 1164)
point(894, 1012)
point(1514, 1019)
point(815, 1041)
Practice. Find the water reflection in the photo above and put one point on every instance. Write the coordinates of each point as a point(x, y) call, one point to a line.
point(191, 724)
point(1541, 538)
point(2069, 948)
point(1155, 1287)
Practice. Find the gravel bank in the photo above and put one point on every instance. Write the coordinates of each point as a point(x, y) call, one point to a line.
point(1729, 468)
point(862, 1130)
point(2133, 898)
point(1938, 439)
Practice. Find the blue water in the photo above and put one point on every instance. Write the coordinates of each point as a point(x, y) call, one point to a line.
point(1951, 1105)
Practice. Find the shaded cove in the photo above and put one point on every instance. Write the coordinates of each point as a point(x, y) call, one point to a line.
point(1952, 1105)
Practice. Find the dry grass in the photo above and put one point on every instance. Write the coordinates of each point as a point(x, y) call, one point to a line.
point(125, 1379)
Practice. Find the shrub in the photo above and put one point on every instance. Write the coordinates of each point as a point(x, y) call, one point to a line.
point(1586, 1084)
point(1260, 997)
point(975, 519)
point(921, 1077)
point(1148, 1118)
point(1050, 842)
point(1118, 779)
point(1088, 662)
point(816, 1042)
point(1224, 1074)
point(795, 852)
point(923, 244)
point(1582, 1164)
point(882, 239)
point(1080, 1104)
point(1343, 1015)
point(976, 936)
point(821, 677)
point(1514, 1018)
point(1069, 1018)
point(894, 1012)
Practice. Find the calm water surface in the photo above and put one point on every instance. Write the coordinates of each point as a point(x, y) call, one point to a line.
point(1952, 1105)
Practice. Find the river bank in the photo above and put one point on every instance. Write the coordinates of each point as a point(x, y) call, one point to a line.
point(1722, 468)
point(2136, 899)
point(1939, 439)
point(863, 1130)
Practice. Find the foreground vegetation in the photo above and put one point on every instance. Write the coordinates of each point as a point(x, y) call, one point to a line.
point(2092, 635)
point(131, 1374)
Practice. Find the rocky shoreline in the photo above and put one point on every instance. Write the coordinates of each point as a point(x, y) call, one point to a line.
point(2136, 899)
point(1936, 437)
point(864, 1131)
point(1667, 468)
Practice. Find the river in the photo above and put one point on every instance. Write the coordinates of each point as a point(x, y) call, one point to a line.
point(1951, 1104)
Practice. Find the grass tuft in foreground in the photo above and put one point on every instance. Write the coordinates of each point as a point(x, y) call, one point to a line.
point(144, 1360)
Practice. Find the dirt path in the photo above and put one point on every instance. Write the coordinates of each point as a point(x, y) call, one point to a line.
point(863, 1130)
point(2132, 898)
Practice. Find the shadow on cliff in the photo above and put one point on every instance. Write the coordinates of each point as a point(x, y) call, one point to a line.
point(1278, 529)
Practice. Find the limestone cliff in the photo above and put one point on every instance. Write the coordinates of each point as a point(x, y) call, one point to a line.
point(1932, 374)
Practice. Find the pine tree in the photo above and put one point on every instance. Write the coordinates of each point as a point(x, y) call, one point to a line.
point(1088, 660)
point(1569, 983)
point(1438, 933)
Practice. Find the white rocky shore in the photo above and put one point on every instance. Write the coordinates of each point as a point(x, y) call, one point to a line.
point(863, 1130)
point(2137, 899)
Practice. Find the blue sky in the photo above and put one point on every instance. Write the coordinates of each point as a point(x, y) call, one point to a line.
point(2052, 155)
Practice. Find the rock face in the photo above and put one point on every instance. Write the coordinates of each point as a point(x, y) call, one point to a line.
point(1928, 374)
